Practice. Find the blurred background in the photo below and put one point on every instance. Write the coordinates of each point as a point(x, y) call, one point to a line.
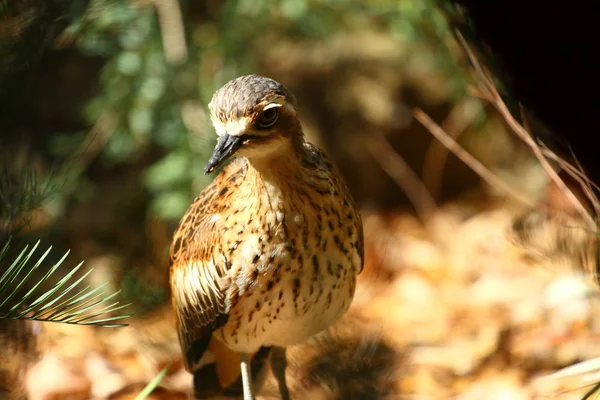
point(103, 117)
point(113, 110)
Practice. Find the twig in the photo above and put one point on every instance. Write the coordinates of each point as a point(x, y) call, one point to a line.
point(485, 84)
point(395, 166)
point(457, 122)
point(467, 158)
point(523, 134)
point(171, 28)
point(489, 90)
point(587, 185)
point(576, 173)
point(567, 166)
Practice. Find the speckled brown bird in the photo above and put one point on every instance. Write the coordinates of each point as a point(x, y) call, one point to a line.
point(268, 253)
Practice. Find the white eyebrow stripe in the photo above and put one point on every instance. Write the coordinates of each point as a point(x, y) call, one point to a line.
point(271, 105)
point(239, 126)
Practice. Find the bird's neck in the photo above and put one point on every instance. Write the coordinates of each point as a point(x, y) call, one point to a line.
point(279, 166)
point(273, 179)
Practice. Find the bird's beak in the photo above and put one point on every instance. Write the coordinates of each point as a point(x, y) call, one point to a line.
point(226, 146)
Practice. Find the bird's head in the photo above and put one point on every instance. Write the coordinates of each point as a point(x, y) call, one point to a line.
point(254, 117)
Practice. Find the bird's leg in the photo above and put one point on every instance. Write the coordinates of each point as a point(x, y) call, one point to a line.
point(246, 376)
point(278, 365)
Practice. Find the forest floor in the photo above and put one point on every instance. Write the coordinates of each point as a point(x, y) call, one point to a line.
point(452, 307)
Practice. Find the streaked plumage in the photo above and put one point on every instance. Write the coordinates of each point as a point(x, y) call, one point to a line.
point(268, 253)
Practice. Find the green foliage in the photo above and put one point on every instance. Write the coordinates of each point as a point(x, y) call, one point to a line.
point(149, 115)
point(594, 390)
point(21, 192)
point(148, 97)
point(152, 384)
point(65, 302)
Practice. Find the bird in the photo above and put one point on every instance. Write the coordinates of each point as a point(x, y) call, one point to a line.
point(267, 255)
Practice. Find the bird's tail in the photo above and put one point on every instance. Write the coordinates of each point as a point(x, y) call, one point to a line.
point(221, 376)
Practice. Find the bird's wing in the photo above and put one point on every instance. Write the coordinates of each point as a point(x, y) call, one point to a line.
point(198, 269)
point(319, 160)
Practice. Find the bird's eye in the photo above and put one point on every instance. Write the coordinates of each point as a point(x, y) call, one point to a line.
point(267, 118)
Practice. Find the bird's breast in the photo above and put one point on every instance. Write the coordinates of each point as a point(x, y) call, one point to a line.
point(290, 282)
